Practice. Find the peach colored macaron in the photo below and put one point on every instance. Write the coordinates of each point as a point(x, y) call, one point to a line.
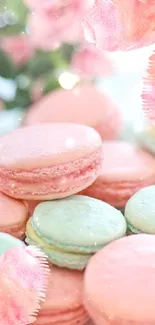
point(13, 216)
point(125, 169)
point(49, 161)
point(64, 300)
point(82, 105)
point(119, 286)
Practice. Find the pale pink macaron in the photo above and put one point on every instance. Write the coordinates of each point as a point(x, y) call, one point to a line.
point(49, 161)
point(13, 216)
point(81, 105)
point(119, 286)
point(64, 300)
point(125, 169)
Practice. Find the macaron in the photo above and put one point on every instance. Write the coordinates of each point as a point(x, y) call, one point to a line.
point(125, 169)
point(146, 138)
point(49, 161)
point(119, 282)
point(13, 216)
point(140, 211)
point(84, 105)
point(7, 242)
point(71, 230)
point(64, 299)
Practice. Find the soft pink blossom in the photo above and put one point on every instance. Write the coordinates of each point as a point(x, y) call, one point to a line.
point(60, 6)
point(90, 63)
point(55, 22)
point(48, 32)
point(106, 27)
point(19, 48)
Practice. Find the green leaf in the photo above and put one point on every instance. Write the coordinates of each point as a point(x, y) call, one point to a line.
point(7, 69)
point(51, 83)
point(39, 66)
point(18, 8)
point(23, 98)
point(9, 30)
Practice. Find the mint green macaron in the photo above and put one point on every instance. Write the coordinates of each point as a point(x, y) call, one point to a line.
point(7, 242)
point(140, 211)
point(72, 229)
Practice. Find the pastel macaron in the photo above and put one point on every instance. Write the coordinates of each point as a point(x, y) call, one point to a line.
point(84, 105)
point(13, 216)
point(140, 211)
point(49, 161)
point(119, 283)
point(64, 299)
point(125, 169)
point(71, 230)
point(8, 242)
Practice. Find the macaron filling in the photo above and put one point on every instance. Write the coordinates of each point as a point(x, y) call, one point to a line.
point(54, 179)
point(131, 229)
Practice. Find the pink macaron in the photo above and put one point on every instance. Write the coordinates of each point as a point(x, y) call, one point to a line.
point(119, 286)
point(13, 216)
point(82, 105)
point(64, 300)
point(124, 170)
point(49, 161)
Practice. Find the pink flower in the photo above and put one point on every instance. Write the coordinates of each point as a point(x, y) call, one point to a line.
point(91, 63)
point(108, 25)
point(18, 48)
point(49, 33)
point(57, 21)
point(59, 6)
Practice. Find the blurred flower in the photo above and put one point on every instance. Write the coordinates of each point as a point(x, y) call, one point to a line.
point(18, 48)
point(48, 34)
point(55, 22)
point(91, 63)
point(60, 6)
point(118, 25)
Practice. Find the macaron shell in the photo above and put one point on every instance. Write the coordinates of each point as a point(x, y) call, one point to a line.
point(12, 212)
point(123, 268)
point(77, 106)
point(13, 216)
point(56, 256)
point(7, 242)
point(74, 317)
point(140, 210)
point(125, 169)
point(65, 291)
point(123, 161)
point(46, 145)
point(78, 223)
point(63, 303)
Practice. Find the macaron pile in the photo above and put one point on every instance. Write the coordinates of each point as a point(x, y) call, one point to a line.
point(78, 198)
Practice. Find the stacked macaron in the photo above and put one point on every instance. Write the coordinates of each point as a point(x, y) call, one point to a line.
point(71, 230)
point(60, 188)
point(48, 162)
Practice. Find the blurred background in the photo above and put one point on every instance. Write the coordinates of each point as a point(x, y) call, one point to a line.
point(28, 72)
